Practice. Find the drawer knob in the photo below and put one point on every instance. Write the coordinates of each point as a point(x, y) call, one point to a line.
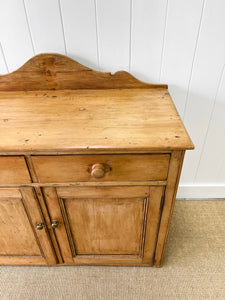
point(98, 170)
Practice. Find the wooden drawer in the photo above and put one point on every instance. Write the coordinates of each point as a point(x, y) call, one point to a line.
point(13, 170)
point(123, 167)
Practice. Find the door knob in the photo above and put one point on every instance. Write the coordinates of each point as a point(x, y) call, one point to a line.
point(39, 225)
point(55, 223)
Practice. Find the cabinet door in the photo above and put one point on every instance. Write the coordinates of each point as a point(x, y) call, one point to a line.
point(21, 242)
point(106, 225)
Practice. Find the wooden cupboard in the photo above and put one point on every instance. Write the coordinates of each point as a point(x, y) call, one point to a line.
point(89, 166)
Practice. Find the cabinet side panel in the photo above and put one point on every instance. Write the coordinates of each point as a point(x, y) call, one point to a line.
point(170, 196)
point(153, 218)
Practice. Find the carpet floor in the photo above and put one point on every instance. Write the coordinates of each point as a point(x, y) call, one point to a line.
point(194, 267)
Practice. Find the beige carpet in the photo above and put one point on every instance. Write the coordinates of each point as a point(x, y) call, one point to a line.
point(194, 267)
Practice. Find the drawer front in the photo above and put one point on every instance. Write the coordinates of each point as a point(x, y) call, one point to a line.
point(80, 168)
point(13, 170)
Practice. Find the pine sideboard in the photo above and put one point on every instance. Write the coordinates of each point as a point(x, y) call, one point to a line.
point(89, 165)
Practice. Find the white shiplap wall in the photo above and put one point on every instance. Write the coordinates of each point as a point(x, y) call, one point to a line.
point(179, 42)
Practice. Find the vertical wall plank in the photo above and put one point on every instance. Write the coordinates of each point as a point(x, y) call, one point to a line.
point(113, 21)
point(180, 42)
point(148, 28)
point(14, 32)
point(3, 66)
point(221, 174)
point(214, 147)
point(79, 21)
point(207, 70)
point(45, 25)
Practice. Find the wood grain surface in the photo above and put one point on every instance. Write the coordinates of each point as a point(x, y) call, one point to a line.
point(13, 169)
point(106, 225)
point(124, 167)
point(97, 120)
point(20, 241)
point(58, 72)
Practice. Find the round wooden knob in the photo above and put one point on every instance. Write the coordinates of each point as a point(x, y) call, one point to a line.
point(98, 170)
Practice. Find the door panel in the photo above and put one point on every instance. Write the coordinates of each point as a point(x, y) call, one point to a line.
point(17, 235)
point(20, 241)
point(106, 225)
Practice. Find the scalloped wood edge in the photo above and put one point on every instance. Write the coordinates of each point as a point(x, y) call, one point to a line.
point(49, 71)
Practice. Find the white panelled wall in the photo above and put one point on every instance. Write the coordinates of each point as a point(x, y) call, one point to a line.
point(178, 42)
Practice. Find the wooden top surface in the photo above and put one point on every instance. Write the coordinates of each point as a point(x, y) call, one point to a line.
point(82, 120)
